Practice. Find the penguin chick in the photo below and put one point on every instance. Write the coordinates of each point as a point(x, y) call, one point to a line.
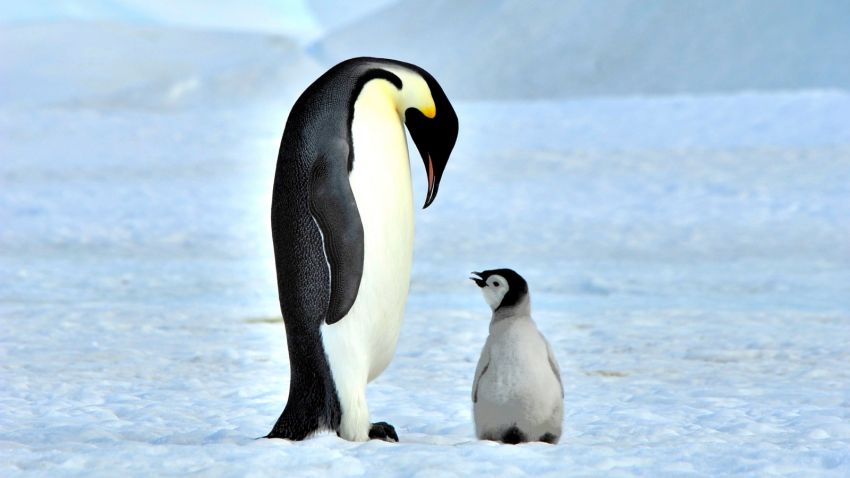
point(517, 395)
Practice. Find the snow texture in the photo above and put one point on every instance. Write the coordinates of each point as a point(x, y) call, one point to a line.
point(687, 256)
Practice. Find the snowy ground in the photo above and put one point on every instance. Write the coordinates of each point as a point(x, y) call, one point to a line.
point(688, 258)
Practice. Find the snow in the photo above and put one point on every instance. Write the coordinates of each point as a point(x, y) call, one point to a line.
point(591, 48)
point(687, 257)
point(291, 17)
point(120, 65)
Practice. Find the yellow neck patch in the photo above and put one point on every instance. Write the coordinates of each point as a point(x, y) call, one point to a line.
point(414, 92)
point(429, 111)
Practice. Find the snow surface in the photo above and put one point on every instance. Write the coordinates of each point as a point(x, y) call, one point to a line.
point(688, 259)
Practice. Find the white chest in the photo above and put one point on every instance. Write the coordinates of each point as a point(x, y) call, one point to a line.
point(380, 181)
point(519, 366)
point(519, 386)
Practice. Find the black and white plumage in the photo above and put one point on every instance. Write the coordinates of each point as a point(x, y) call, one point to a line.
point(342, 227)
point(517, 395)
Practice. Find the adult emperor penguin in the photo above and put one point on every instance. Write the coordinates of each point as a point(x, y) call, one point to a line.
point(517, 395)
point(342, 228)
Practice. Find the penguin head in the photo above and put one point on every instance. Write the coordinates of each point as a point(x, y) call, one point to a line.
point(433, 126)
point(425, 110)
point(502, 288)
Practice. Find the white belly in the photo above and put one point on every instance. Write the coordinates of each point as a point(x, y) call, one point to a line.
point(519, 386)
point(364, 341)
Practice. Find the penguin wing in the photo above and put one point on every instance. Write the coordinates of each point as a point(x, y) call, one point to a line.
point(333, 207)
point(480, 370)
point(553, 363)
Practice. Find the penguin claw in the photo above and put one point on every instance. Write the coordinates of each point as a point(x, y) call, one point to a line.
point(383, 431)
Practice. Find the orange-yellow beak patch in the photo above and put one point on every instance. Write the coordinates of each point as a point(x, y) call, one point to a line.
point(429, 111)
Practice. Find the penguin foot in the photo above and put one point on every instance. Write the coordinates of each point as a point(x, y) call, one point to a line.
point(513, 436)
point(286, 434)
point(383, 431)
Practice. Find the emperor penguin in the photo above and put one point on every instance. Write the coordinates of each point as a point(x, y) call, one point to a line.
point(342, 228)
point(517, 395)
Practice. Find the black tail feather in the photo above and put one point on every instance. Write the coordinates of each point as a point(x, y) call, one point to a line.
point(313, 404)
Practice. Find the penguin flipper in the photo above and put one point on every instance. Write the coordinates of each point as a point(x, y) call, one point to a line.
point(553, 364)
point(335, 211)
point(480, 370)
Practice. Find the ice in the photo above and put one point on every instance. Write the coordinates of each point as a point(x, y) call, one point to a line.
point(687, 257)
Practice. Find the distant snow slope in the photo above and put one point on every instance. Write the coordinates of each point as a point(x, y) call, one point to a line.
point(332, 14)
point(115, 65)
point(517, 49)
point(280, 17)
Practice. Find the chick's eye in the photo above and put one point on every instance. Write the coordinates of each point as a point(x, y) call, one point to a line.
point(496, 284)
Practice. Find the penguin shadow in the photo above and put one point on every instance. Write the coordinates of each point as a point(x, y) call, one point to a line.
point(606, 373)
point(264, 320)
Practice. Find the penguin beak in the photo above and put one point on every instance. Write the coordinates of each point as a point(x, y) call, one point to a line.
point(433, 184)
point(434, 137)
point(434, 145)
point(478, 280)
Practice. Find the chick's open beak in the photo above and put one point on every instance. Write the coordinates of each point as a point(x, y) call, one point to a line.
point(478, 280)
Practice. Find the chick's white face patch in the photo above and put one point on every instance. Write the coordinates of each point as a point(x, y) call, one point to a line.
point(495, 290)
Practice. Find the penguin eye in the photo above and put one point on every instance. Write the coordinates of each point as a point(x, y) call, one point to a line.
point(496, 284)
